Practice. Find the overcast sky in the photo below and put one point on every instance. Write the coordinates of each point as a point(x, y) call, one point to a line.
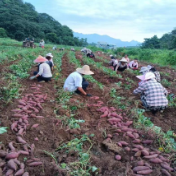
point(122, 19)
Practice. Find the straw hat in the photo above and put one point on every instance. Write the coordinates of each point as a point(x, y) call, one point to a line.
point(85, 70)
point(149, 67)
point(147, 76)
point(49, 54)
point(40, 59)
point(123, 60)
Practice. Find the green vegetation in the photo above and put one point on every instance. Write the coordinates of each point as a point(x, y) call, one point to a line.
point(20, 20)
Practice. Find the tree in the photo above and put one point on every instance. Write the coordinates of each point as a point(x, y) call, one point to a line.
point(52, 37)
point(3, 33)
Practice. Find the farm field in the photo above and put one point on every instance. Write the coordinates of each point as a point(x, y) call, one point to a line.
point(55, 133)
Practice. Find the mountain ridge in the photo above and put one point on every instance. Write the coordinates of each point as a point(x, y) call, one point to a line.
point(94, 38)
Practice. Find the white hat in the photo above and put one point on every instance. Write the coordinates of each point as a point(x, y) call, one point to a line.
point(111, 55)
point(144, 69)
point(147, 76)
point(149, 67)
point(123, 60)
point(85, 70)
point(49, 54)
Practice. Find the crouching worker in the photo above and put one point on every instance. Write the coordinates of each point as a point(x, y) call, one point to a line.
point(75, 81)
point(153, 94)
point(122, 65)
point(44, 72)
point(134, 64)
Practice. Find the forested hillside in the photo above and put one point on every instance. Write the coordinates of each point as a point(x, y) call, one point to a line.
point(19, 20)
point(167, 41)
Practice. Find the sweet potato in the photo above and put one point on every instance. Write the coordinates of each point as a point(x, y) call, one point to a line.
point(140, 163)
point(136, 141)
point(140, 147)
point(124, 143)
point(12, 148)
point(21, 102)
point(147, 164)
point(145, 152)
point(20, 132)
point(140, 168)
point(164, 171)
point(17, 161)
point(135, 149)
point(35, 126)
point(9, 172)
point(118, 157)
point(2, 163)
point(136, 135)
point(35, 164)
point(33, 115)
point(163, 159)
point(20, 140)
point(130, 135)
point(39, 105)
point(127, 149)
point(113, 109)
point(12, 165)
point(19, 172)
point(23, 152)
point(145, 172)
point(155, 160)
point(166, 166)
point(14, 125)
point(105, 114)
point(128, 123)
point(22, 166)
point(151, 156)
point(12, 155)
point(16, 110)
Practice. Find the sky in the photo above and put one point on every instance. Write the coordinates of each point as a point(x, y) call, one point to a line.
point(121, 19)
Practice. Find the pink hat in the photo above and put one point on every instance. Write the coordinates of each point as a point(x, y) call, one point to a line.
point(40, 59)
point(147, 76)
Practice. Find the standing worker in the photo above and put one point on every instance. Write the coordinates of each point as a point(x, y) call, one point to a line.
point(75, 81)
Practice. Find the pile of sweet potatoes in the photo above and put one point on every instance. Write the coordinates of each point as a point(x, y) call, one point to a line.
point(29, 107)
point(138, 147)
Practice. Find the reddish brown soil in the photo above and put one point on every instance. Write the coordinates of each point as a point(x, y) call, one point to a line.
point(51, 136)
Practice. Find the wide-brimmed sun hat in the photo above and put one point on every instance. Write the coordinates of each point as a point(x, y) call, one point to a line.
point(149, 67)
point(144, 69)
point(49, 55)
point(147, 76)
point(123, 60)
point(40, 59)
point(85, 70)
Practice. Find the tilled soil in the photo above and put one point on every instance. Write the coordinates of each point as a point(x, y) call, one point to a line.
point(50, 135)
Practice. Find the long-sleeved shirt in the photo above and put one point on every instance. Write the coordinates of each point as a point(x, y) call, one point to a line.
point(154, 93)
point(44, 70)
point(133, 64)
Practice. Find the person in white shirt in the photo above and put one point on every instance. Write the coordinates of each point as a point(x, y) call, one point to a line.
point(44, 73)
point(75, 81)
point(134, 64)
point(115, 64)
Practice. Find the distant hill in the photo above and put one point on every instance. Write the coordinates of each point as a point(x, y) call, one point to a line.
point(94, 38)
point(20, 20)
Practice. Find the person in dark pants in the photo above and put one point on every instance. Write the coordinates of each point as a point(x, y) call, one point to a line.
point(75, 81)
point(44, 72)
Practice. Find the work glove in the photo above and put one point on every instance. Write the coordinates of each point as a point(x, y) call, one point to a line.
point(88, 95)
point(32, 77)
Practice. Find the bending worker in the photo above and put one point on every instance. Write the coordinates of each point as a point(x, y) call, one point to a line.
point(44, 72)
point(75, 81)
point(153, 94)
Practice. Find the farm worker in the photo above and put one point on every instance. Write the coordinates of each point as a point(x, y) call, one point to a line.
point(122, 65)
point(134, 64)
point(44, 73)
point(115, 64)
point(126, 57)
point(54, 47)
point(112, 60)
point(153, 70)
point(90, 53)
point(84, 50)
point(42, 43)
point(143, 71)
point(72, 49)
point(153, 94)
point(49, 57)
point(75, 81)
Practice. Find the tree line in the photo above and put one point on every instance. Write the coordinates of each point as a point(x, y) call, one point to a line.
point(167, 41)
point(19, 20)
